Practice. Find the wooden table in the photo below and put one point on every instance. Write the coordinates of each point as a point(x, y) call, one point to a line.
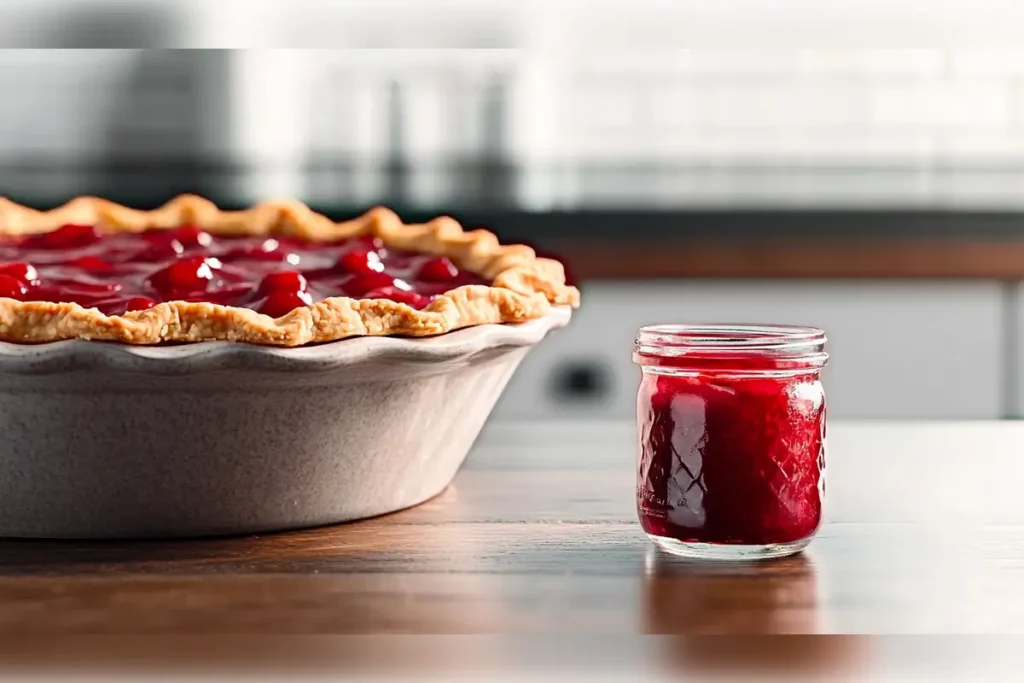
point(924, 533)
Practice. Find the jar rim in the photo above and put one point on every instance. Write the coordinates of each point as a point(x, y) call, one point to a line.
point(739, 338)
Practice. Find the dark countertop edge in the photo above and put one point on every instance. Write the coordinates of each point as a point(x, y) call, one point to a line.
point(724, 226)
point(742, 244)
point(685, 225)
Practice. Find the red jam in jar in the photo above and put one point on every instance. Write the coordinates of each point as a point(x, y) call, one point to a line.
point(731, 426)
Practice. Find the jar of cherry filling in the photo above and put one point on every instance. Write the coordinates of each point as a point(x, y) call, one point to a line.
point(731, 426)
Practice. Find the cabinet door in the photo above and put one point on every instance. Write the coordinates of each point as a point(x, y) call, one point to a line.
point(898, 349)
point(1015, 371)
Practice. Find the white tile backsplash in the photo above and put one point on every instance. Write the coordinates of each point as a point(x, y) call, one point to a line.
point(781, 104)
point(873, 63)
point(50, 106)
point(842, 108)
point(762, 97)
point(992, 147)
point(987, 62)
point(619, 106)
point(845, 112)
point(939, 105)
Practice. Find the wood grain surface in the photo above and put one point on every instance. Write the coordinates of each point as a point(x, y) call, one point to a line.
point(786, 258)
point(924, 533)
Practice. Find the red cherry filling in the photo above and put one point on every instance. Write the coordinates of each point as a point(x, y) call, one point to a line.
point(280, 303)
point(191, 236)
point(358, 285)
point(284, 281)
point(439, 269)
point(156, 252)
point(730, 459)
point(71, 292)
point(186, 276)
point(222, 294)
point(65, 237)
point(92, 264)
point(270, 250)
point(139, 303)
point(121, 272)
point(11, 287)
point(402, 296)
point(118, 306)
point(22, 272)
point(361, 261)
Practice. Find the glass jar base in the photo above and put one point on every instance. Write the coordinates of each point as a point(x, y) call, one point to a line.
point(717, 551)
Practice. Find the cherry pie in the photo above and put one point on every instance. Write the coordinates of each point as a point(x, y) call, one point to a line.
point(276, 274)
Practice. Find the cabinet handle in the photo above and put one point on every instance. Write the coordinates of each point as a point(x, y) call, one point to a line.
point(581, 381)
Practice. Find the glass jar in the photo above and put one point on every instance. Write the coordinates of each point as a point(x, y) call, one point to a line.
point(731, 426)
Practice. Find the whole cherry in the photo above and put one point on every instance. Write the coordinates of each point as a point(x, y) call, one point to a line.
point(11, 287)
point(23, 272)
point(360, 261)
point(439, 269)
point(283, 281)
point(186, 276)
point(359, 285)
point(139, 303)
point(279, 303)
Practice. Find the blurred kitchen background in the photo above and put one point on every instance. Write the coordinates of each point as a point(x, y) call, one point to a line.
point(873, 191)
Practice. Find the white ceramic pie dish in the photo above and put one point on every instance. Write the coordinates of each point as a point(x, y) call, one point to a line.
point(115, 441)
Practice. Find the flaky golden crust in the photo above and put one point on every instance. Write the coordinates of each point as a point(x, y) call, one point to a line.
point(523, 286)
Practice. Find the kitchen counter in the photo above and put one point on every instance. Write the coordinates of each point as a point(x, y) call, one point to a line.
point(631, 244)
point(617, 244)
point(746, 244)
point(786, 258)
point(924, 533)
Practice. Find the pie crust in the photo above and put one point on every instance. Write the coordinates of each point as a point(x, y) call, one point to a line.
point(523, 286)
